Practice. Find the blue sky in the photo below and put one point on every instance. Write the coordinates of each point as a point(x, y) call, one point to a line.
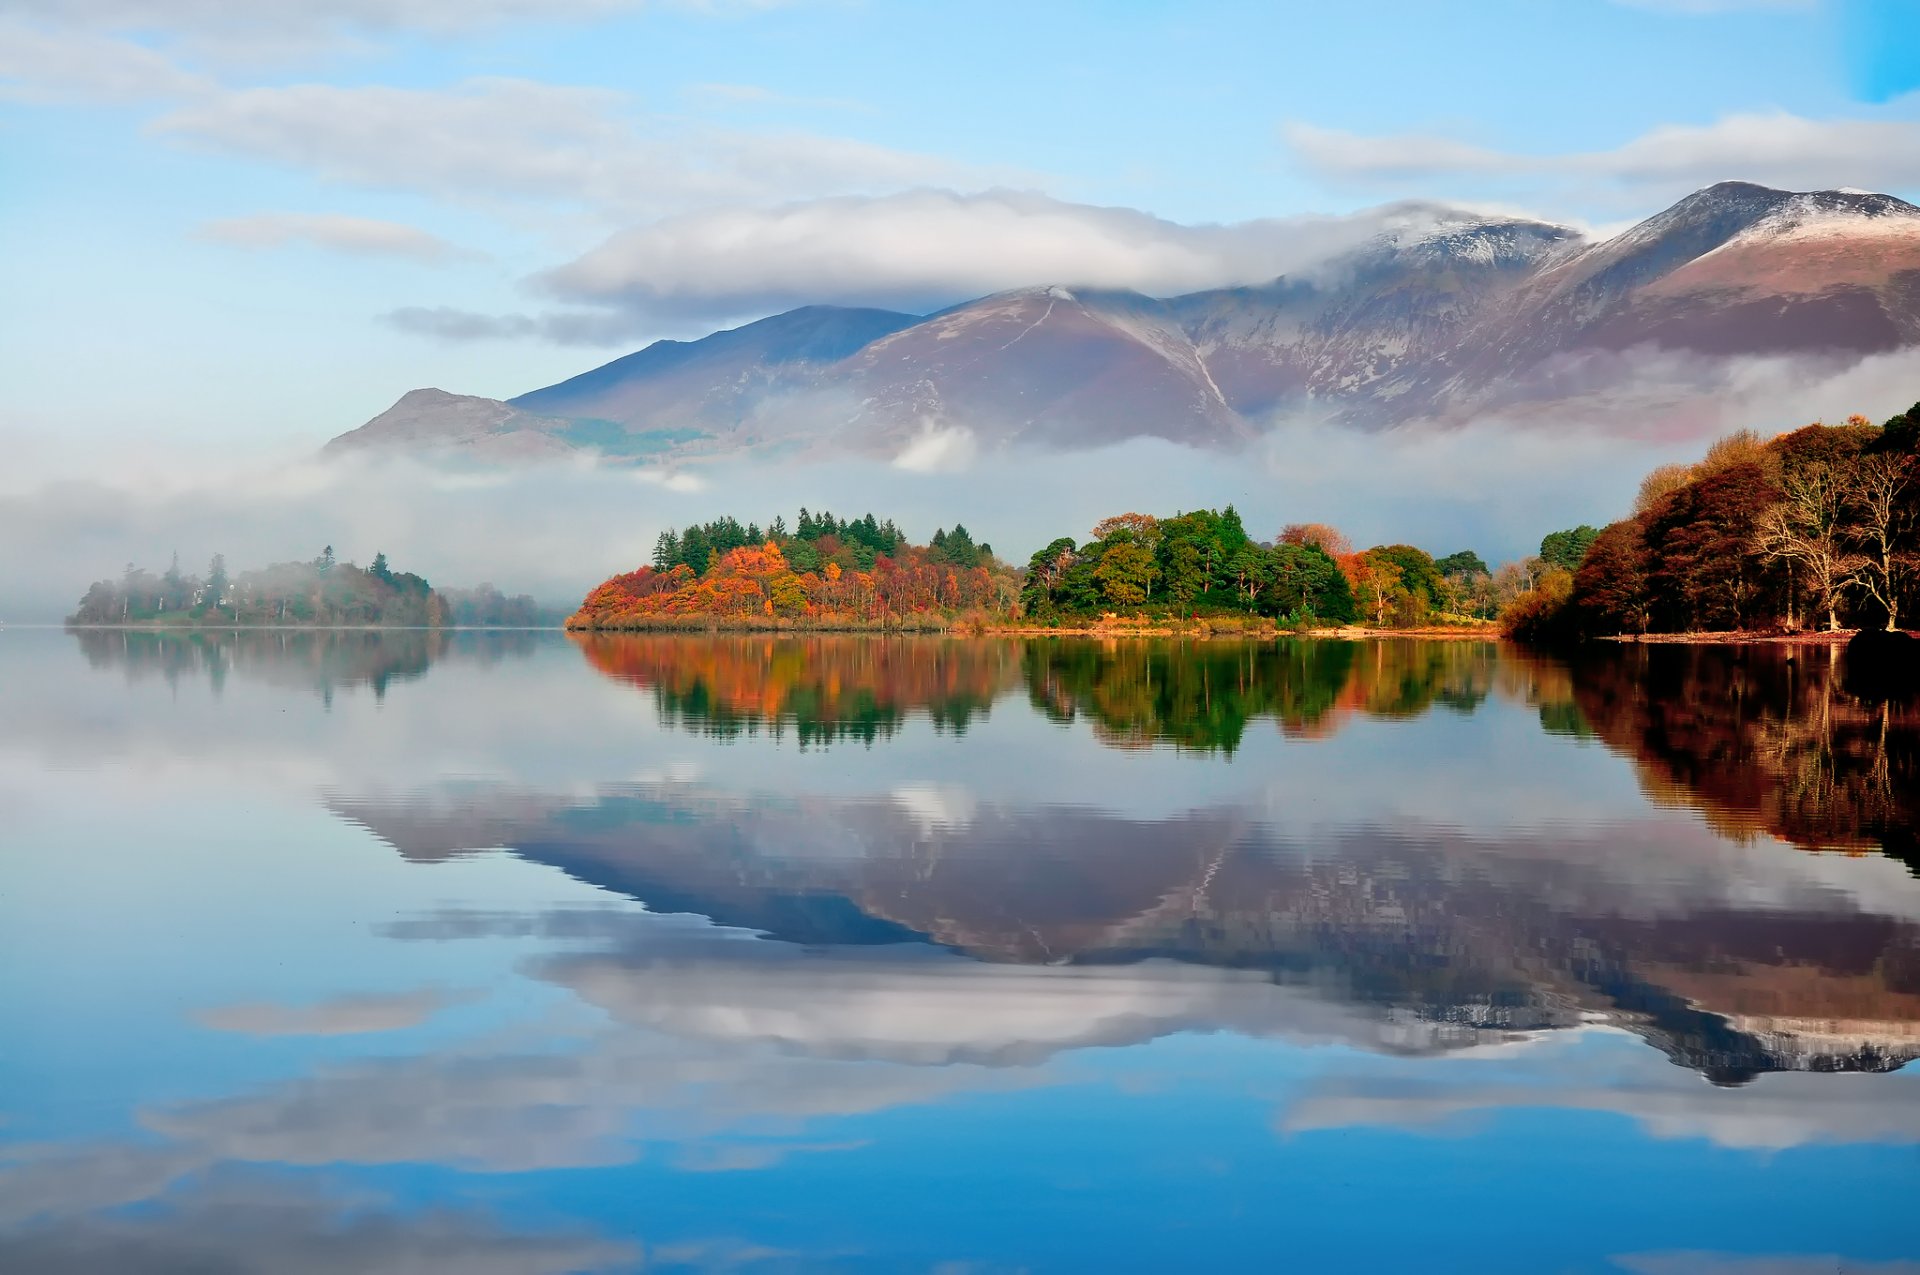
point(258, 225)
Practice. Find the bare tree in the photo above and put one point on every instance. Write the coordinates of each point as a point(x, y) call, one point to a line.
point(1876, 497)
point(1806, 528)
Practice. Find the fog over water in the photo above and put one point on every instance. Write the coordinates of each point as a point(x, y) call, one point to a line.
point(71, 514)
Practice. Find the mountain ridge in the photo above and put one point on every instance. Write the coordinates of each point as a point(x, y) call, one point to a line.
point(1465, 315)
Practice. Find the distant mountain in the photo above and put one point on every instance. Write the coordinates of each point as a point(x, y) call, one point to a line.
point(1471, 315)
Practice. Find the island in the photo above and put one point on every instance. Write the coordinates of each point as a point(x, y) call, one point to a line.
point(322, 592)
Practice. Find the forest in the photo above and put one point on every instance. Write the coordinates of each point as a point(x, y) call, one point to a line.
point(825, 572)
point(321, 591)
point(1815, 529)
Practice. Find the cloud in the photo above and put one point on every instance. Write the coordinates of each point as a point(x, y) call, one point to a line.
point(1778, 1111)
point(446, 323)
point(1697, 1263)
point(1776, 148)
point(299, 1233)
point(521, 139)
point(927, 247)
point(342, 1016)
point(274, 30)
point(364, 235)
point(43, 64)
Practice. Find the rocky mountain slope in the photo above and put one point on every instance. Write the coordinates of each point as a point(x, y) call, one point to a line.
point(1473, 315)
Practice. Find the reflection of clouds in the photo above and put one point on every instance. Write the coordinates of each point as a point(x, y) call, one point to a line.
point(340, 1016)
point(1785, 1109)
point(212, 1231)
point(920, 1006)
point(1692, 1263)
point(935, 806)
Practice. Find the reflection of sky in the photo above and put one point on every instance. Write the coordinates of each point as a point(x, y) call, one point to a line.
point(220, 998)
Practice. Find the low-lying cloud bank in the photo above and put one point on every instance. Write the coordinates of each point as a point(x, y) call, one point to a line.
point(556, 529)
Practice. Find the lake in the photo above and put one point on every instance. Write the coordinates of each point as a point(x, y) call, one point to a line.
point(514, 953)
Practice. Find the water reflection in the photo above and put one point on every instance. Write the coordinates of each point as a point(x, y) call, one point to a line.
point(320, 659)
point(1763, 739)
point(833, 953)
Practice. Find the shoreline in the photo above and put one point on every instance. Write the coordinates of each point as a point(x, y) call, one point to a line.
point(1738, 637)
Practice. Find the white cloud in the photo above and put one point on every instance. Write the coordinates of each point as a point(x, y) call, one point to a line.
point(521, 139)
point(597, 328)
point(43, 64)
point(329, 230)
point(1776, 148)
point(277, 29)
point(928, 247)
point(341, 1016)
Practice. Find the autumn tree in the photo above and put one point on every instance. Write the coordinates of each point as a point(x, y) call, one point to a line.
point(1879, 491)
point(1805, 529)
point(1318, 534)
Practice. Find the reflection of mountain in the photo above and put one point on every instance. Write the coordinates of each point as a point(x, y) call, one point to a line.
point(323, 659)
point(1762, 739)
point(1424, 926)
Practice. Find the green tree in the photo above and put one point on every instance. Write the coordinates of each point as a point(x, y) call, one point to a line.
point(1125, 573)
point(216, 581)
point(1566, 549)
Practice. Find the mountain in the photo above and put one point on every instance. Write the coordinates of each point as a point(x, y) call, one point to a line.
point(1467, 316)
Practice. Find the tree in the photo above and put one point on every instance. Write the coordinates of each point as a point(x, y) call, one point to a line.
point(1610, 588)
point(1144, 528)
point(666, 550)
point(1565, 549)
point(1318, 534)
point(1804, 528)
point(1374, 581)
point(1125, 573)
point(326, 559)
point(380, 570)
point(1465, 562)
point(1877, 491)
point(216, 581)
point(1185, 573)
point(1660, 484)
point(1046, 571)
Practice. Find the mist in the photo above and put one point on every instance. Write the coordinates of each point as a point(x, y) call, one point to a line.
point(1495, 486)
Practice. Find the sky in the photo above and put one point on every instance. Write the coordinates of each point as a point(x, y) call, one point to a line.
point(229, 232)
point(262, 223)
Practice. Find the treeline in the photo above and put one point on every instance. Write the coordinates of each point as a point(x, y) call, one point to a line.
point(1816, 528)
point(1205, 563)
point(826, 572)
point(485, 607)
point(318, 592)
point(823, 571)
point(816, 539)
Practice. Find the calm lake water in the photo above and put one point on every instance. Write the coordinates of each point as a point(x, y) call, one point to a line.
point(511, 954)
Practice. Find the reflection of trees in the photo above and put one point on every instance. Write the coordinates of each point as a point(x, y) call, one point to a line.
point(1202, 695)
point(322, 659)
point(827, 688)
point(1762, 739)
point(1193, 695)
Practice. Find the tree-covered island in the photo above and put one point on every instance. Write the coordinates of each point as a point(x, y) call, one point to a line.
point(321, 592)
point(1200, 567)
